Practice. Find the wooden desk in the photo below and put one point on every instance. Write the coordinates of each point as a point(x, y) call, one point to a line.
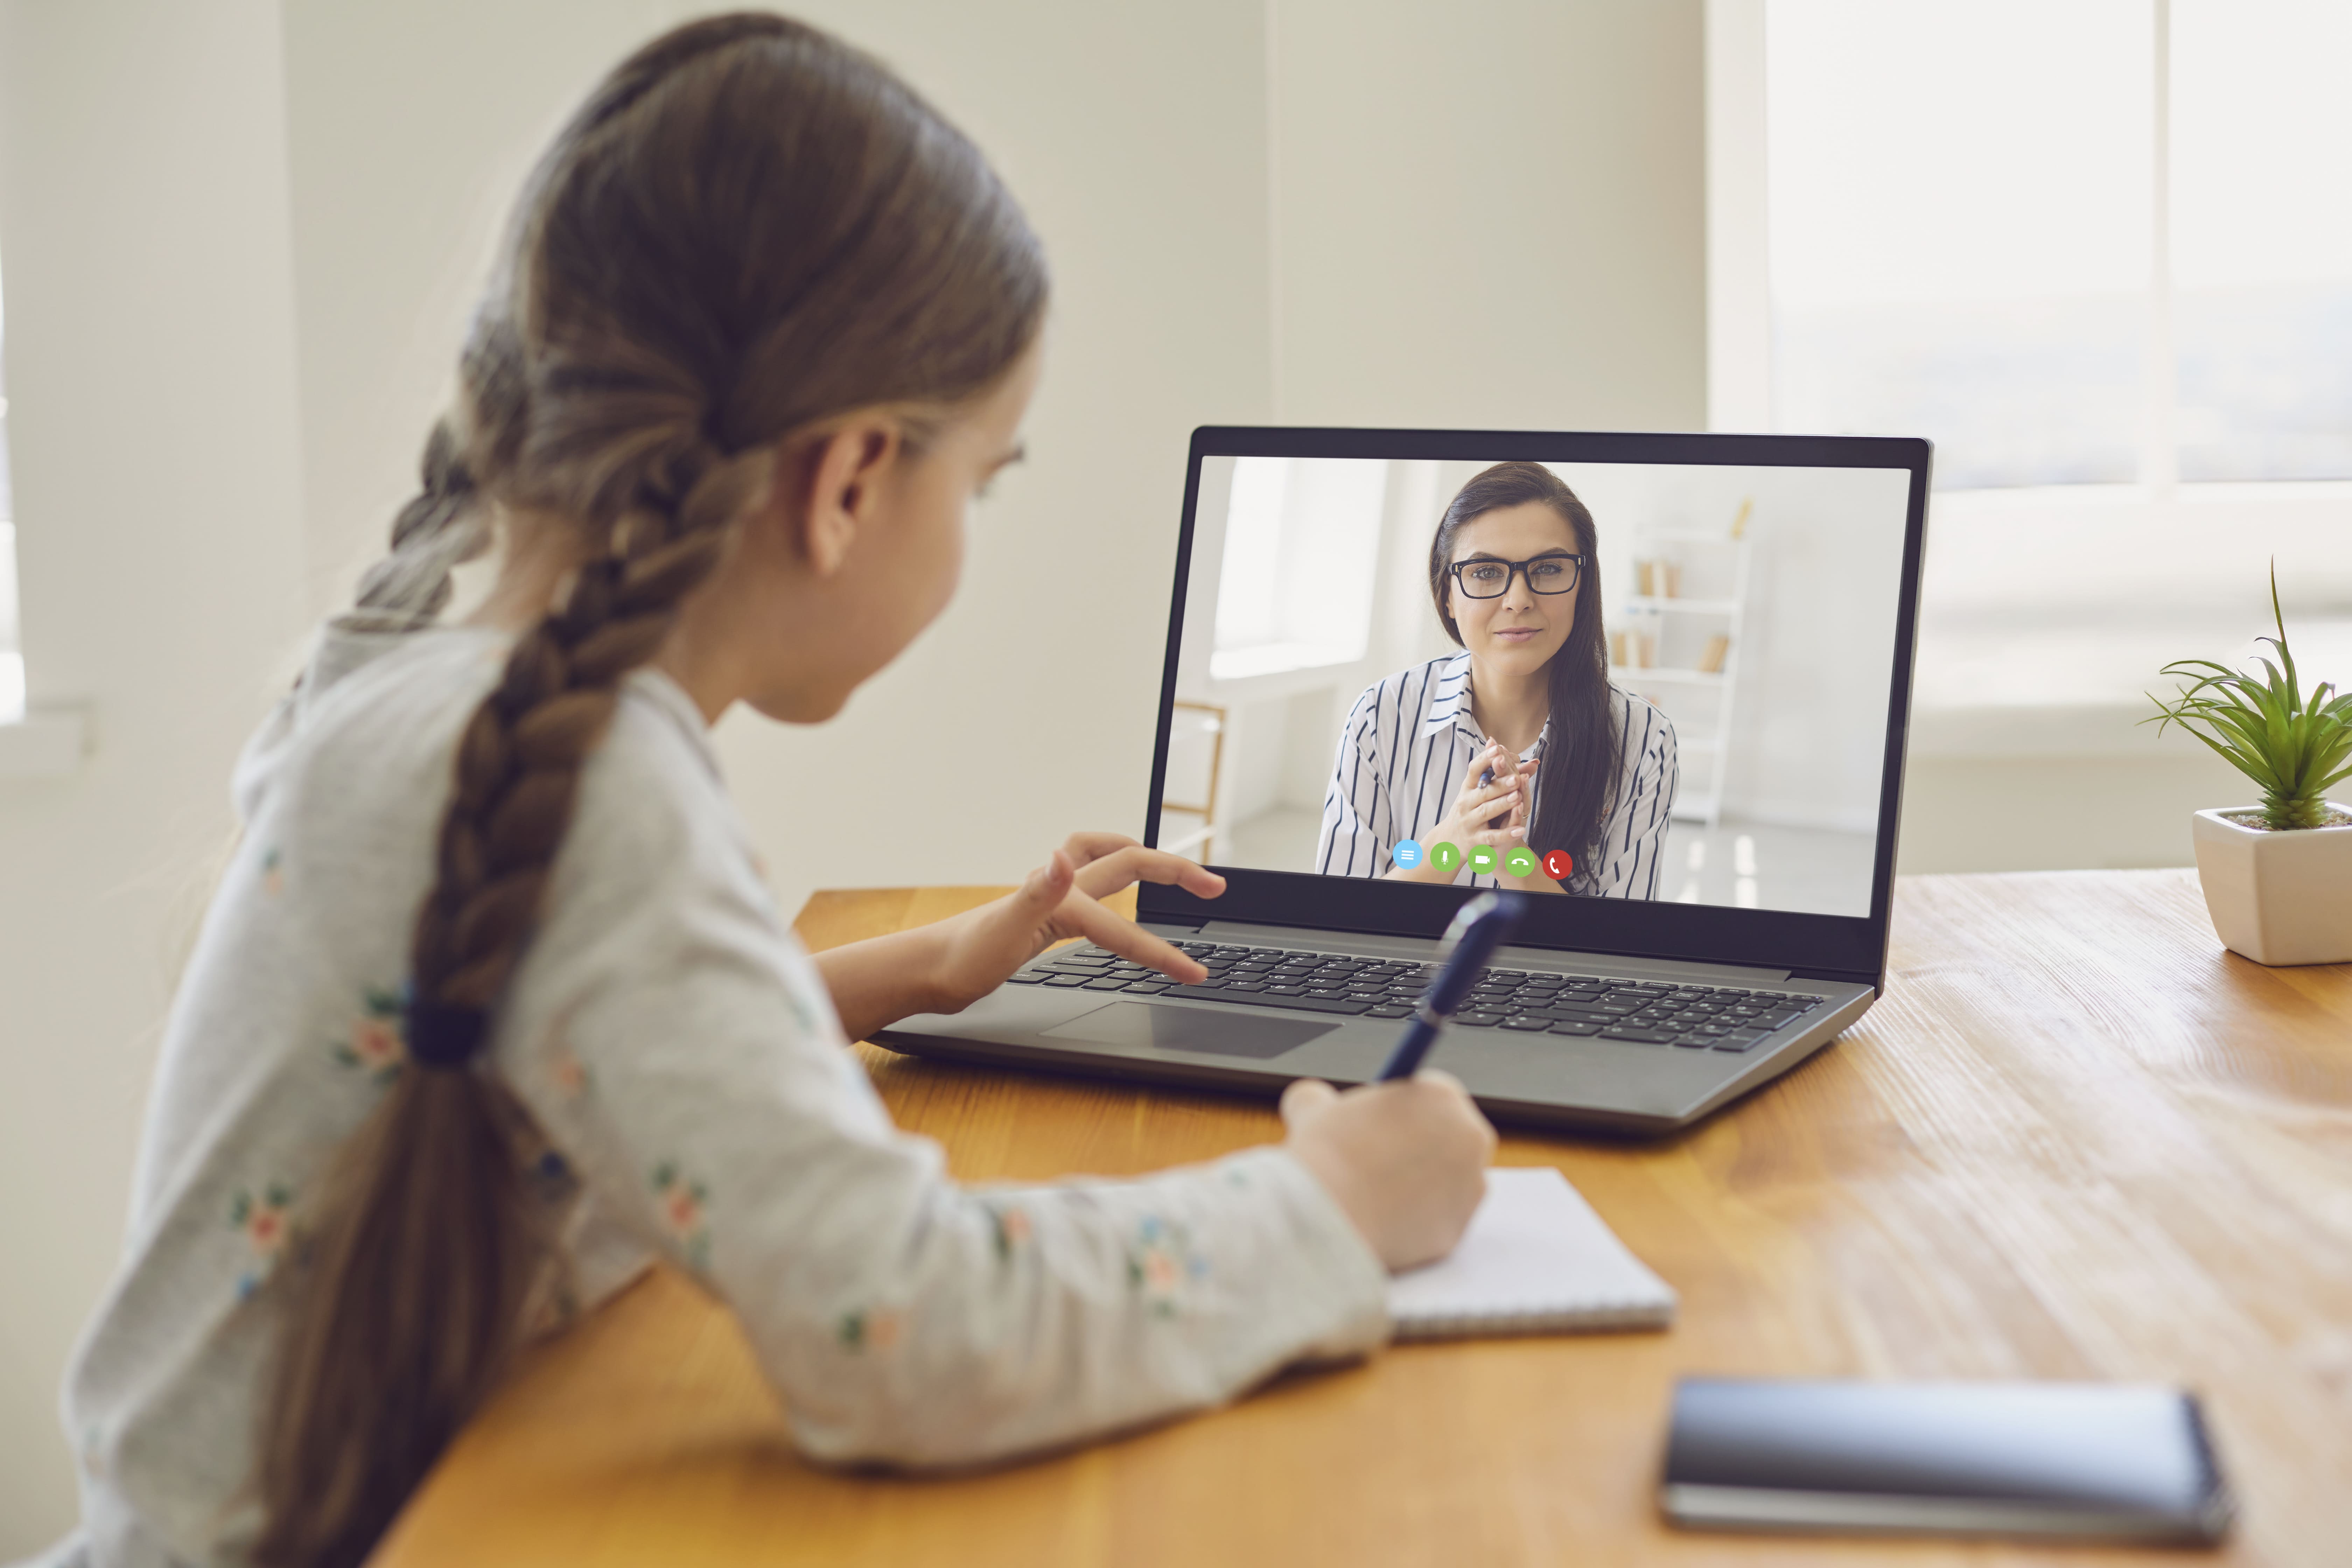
point(2076, 1140)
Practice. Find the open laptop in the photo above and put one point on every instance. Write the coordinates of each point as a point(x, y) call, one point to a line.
point(1728, 629)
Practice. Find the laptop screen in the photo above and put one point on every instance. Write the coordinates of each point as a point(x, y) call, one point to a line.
point(1601, 676)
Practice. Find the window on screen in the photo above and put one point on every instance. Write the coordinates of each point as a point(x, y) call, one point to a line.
point(1294, 590)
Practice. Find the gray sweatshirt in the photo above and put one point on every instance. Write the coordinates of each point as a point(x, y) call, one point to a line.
point(682, 1056)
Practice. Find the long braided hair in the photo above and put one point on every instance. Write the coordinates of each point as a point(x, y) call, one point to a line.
point(749, 227)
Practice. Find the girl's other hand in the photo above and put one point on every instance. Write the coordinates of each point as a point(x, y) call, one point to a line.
point(1059, 901)
point(1406, 1161)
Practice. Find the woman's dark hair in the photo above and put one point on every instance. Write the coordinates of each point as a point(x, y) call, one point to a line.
point(748, 227)
point(1580, 761)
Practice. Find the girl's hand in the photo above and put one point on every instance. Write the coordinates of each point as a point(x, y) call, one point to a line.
point(1059, 901)
point(1405, 1161)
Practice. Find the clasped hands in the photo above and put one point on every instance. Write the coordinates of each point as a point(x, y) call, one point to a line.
point(1492, 806)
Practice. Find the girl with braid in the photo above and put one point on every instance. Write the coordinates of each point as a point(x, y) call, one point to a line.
point(492, 1010)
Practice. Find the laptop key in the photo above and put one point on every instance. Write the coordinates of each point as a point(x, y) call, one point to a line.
point(1146, 987)
point(1478, 1020)
point(1108, 983)
point(1389, 1010)
point(1527, 1025)
point(1646, 1036)
point(1566, 1028)
point(1026, 977)
point(1734, 1045)
point(1065, 980)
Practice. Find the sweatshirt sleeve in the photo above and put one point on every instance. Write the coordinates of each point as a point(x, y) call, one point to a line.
point(681, 1054)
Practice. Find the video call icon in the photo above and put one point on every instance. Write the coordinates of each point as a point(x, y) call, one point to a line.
point(1519, 860)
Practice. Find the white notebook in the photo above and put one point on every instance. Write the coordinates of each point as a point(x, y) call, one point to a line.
point(1536, 1260)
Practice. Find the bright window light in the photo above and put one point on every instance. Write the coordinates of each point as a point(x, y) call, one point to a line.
point(2075, 241)
point(11, 662)
point(2261, 238)
point(1296, 589)
point(1960, 230)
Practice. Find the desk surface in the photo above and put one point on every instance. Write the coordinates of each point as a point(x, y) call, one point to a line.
point(2076, 1140)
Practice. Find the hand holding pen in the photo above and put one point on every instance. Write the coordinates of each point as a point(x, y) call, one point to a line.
point(1406, 1160)
point(1479, 928)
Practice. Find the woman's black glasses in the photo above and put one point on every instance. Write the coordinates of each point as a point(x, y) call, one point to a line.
point(1553, 574)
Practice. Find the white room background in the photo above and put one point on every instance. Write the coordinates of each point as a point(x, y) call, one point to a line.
point(240, 239)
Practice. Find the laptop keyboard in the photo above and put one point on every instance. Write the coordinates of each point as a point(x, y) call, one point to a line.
point(1638, 1012)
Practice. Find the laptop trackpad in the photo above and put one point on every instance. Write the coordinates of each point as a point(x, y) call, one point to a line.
point(1190, 1029)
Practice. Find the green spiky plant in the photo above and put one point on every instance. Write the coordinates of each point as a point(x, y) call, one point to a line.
point(2293, 748)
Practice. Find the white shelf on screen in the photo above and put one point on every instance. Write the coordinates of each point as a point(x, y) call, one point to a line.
point(1691, 536)
point(1689, 606)
point(1624, 675)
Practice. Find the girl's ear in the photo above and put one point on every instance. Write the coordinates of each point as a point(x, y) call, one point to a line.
point(829, 486)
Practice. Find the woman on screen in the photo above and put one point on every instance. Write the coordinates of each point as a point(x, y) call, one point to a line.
point(1517, 739)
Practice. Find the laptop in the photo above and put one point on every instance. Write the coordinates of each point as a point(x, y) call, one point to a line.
point(1656, 684)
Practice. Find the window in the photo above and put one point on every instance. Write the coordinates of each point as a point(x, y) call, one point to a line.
point(2082, 241)
point(12, 660)
point(12, 663)
point(2097, 252)
point(1296, 590)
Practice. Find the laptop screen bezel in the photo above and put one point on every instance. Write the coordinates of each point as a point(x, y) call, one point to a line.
point(1841, 946)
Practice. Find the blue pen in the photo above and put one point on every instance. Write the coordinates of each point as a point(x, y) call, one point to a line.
point(1478, 928)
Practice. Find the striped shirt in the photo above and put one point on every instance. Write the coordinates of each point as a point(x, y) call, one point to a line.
point(1409, 741)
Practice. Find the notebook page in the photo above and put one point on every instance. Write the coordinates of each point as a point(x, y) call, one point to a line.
point(1536, 1260)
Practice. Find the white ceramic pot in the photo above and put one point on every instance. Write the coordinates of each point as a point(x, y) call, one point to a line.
point(2277, 897)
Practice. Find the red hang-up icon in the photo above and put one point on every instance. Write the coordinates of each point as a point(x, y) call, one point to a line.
point(1559, 865)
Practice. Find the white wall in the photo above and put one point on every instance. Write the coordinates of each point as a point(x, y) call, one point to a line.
point(1490, 214)
point(158, 482)
point(240, 239)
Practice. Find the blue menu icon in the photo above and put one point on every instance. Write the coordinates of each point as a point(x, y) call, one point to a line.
point(1406, 854)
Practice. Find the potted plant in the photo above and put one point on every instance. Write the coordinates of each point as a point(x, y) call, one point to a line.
point(2278, 875)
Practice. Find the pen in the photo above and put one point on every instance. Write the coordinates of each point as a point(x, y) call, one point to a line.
point(1478, 928)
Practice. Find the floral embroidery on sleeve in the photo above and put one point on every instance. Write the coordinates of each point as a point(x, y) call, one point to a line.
point(376, 1044)
point(684, 1209)
point(870, 1330)
point(264, 1221)
point(1158, 1263)
point(564, 1069)
point(1012, 1226)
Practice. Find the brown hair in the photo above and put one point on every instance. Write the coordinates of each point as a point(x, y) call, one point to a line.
point(748, 226)
point(1580, 763)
